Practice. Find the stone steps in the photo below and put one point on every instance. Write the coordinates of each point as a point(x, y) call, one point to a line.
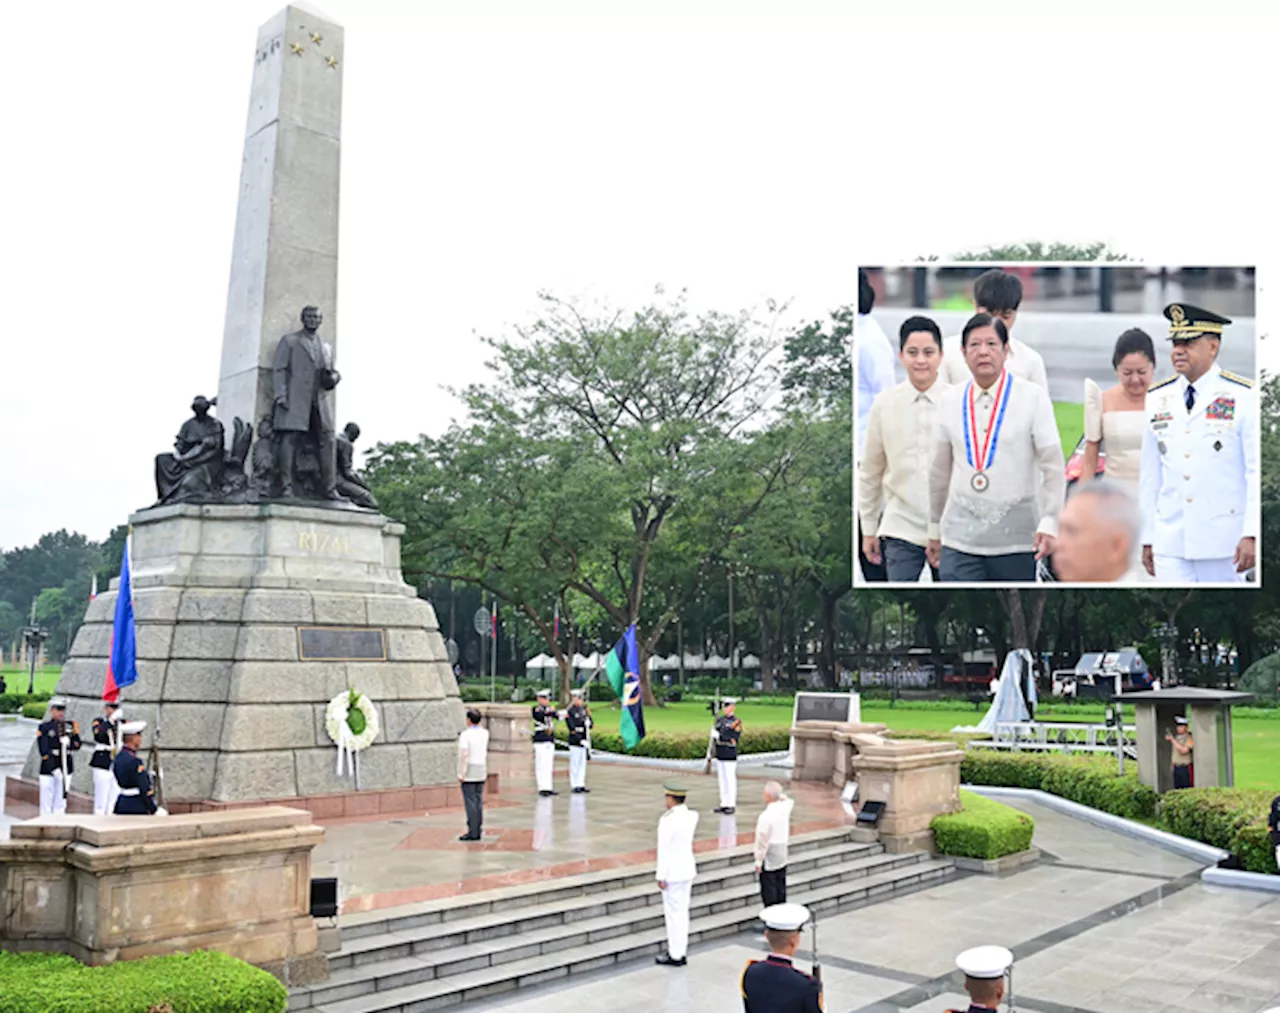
point(573, 889)
point(404, 962)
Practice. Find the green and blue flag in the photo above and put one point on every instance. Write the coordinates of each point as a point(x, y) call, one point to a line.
point(623, 669)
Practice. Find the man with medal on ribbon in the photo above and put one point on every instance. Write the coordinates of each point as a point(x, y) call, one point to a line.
point(1198, 480)
point(996, 484)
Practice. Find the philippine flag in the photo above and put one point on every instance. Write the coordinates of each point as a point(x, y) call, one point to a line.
point(122, 664)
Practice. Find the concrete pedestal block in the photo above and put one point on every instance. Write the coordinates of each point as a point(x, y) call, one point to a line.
point(509, 726)
point(822, 749)
point(916, 779)
point(223, 596)
point(122, 887)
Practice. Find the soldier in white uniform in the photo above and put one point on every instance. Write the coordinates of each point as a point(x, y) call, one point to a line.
point(1199, 476)
point(676, 869)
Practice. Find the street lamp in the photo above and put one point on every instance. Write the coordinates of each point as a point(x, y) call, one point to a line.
point(1167, 635)
point(35, 636)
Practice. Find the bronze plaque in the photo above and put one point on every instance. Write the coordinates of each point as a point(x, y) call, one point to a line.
point(341, 643)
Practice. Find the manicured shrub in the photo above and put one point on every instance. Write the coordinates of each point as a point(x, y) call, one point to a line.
point(12, 702)
point(1089, 780)
point(201, 982)
point(1234, 819)
point(984, 828)
point(691, 745)
point(35, 708)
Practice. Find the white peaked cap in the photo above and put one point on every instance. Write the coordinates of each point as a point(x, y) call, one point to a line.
point(985, 962)
point(785, 917)
point(575, 692)
point(58, 701)
point(544, 692)
point(132, 727)
point(726, 700)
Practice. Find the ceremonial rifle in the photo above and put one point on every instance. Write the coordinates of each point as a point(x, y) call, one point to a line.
point(711, 738)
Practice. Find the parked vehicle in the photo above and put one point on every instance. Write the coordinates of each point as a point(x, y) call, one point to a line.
point(1102, 675)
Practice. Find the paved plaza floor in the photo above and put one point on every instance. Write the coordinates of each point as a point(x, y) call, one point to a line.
point(1103, 924)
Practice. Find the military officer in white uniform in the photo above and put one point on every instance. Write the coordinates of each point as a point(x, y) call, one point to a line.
point(675, 872)
point(1198, 484)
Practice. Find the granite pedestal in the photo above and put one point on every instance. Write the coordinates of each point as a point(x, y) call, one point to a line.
point(249, 620)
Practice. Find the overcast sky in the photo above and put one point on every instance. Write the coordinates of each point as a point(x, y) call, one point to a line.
point(744, 151)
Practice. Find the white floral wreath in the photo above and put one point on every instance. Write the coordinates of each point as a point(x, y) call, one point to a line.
point(352, 723)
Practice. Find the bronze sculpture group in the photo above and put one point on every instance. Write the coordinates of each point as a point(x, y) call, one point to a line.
point(297, 457)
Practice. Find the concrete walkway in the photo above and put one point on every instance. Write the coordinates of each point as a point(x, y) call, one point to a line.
point(1104, 924)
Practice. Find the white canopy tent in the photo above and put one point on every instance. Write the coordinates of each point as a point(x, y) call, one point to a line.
point(539, 662)
point(715, 663)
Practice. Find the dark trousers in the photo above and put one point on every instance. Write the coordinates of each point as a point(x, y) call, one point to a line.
point(773, 886)
point(965, 566)
point(1183, 777)
point(871, 572)
point(904, 561)
point(473, 799)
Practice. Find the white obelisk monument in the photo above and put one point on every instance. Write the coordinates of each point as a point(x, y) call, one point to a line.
point(285, 253)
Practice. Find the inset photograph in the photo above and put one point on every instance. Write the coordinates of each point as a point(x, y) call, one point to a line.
point(1069, 423)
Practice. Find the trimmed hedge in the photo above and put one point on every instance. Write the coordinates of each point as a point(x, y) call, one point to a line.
point(201, 982)
point(12, 703)
point(1089, 780)
point(35, 709)
point(1234, 819)
point(691, 745)
point(984, 829)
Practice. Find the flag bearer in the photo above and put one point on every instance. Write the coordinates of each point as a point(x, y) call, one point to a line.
point(105, 747)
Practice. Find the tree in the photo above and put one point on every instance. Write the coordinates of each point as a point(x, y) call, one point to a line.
point(617, 457)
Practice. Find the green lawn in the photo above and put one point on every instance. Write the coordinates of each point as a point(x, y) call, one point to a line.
point(1257, 739)
point(1070, 419)
point(16, 678)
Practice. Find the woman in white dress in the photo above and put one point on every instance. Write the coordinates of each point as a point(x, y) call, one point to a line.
point(1114, 418)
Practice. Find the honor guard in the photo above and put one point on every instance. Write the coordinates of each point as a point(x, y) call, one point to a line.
point(984, 969)
point(544, 743)
point(1198, 483)
point(105, 747)
point(578, 718)
point(728, 731)
point(57, 738)
point(775, 984)
point(135, 794)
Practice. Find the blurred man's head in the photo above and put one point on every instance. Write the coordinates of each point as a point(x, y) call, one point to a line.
point(1098, 533)
point(920, 349)
point(474, 717)
point(866, 294)
point(772, 791)
point(999, 295)
point(985, 343)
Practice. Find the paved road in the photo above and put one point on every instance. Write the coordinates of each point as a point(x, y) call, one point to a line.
point(1079, 345)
